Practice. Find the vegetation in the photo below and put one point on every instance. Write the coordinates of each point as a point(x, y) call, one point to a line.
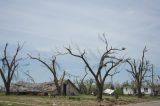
point(70, 100)
point(13, 104)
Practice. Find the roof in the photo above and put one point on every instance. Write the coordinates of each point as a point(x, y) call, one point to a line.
point(108, 91)
point(66, 81)
point(22, 86)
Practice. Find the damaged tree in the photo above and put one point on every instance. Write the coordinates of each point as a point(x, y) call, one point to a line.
point(81, 85)
point(108, 62)
point(85, 86)
point(53, 70)
point(139, 70)
point(9, 65)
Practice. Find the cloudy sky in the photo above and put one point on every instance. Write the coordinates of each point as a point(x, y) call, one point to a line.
point(45, 25)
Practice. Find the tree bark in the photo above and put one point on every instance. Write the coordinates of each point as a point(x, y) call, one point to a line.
point(139, 92)
point(7, 86)
point(57, 84)
point(99, 95)
point(100, 91)
point(59, 90)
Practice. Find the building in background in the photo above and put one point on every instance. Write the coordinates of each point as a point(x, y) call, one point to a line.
point(128, 90)
point(46, 88)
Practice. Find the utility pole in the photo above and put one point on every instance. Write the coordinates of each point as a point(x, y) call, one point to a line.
point(152, 80)
point(112, 87)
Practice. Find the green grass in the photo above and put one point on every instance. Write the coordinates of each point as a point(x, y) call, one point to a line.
point(18, 100)
point(2, 94)
point(12, 104)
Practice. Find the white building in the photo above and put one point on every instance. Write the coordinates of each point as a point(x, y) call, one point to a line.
point(129, 91)
point(146, 90)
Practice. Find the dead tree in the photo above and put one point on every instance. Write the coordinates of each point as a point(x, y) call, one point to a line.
point(139, 70)
point(89, 85)
point(159, 77)
point(107, 62)
point(9, 65)
point(29, 77)
point(111, 75)
point(80, 83)
point(85, 86)
point(53, 70)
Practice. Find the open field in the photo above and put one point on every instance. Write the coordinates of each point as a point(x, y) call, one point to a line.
point(83, 100)
point(151, 103)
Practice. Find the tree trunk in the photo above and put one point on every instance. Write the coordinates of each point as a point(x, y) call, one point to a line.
point(99, 95)
point(139, 91)
point(7, 89)
point(100, 92)
point(59, 90)
point(56, 83)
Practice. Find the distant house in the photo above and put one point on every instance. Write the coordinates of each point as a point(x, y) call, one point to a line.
point(68, 88)
point(46, 88)
point(129, 91)
point(146, 90)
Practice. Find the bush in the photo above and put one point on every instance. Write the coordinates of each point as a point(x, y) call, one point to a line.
point(74, 98)
point(116, 95)
point(119, 91)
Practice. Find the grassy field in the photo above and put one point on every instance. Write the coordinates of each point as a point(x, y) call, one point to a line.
point(12, 104)
point(83, 100)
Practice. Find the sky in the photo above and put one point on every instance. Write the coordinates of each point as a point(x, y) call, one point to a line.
point(47, 26)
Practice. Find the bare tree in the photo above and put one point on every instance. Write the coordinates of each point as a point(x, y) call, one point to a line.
point(9, 65)
point(107, 62)
point(52, 69)
point(112, 86)
point(89, 85)
point(86, 86)
point(81, 85)
point(29, 77)
point(139, 70)
point(159, 77)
